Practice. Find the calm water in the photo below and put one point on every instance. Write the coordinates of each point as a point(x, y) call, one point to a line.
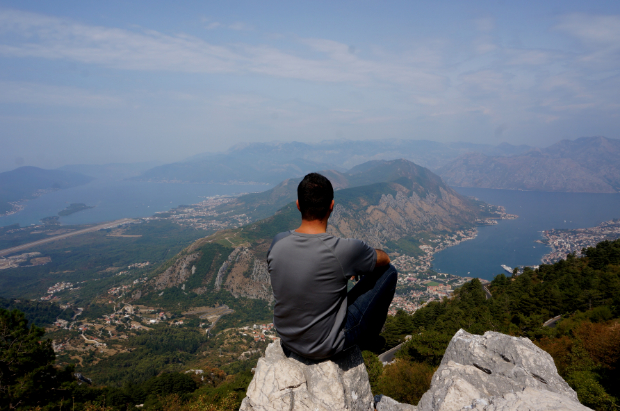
point(511, 242)
point(114, 200)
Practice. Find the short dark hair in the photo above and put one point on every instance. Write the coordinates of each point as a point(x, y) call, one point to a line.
point(315, 194)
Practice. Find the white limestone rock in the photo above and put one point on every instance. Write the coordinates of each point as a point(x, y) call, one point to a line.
point(286, 381)
point(530, 399)
point(491, 368)
point(383, 403)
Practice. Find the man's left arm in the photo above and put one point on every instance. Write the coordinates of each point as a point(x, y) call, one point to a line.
point(382, 258)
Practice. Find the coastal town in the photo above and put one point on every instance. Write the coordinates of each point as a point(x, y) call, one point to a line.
point(418, 284)
point(204, 215)
point(564, 242)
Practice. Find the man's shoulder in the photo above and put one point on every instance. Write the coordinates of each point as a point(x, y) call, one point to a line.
point(279, 237)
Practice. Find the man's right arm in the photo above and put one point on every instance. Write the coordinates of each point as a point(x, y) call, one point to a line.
point(382, 258)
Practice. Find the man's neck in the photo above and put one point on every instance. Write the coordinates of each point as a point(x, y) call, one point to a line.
point(312, 227)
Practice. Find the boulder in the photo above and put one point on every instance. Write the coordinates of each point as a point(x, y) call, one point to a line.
point(496, 372)
point(285, 381)
point(490, 372)
point(383, 403)
point(530, 399)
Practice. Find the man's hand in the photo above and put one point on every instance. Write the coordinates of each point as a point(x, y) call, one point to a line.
point(382, 258)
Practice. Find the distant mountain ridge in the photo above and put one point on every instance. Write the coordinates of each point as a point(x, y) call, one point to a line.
point(273, 162)
point(401, 202)
point(265, 204)
point(588, 164)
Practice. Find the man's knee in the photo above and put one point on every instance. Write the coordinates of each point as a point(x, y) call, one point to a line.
point(392, 275)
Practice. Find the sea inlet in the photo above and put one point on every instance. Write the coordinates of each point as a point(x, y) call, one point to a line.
point(512, 242)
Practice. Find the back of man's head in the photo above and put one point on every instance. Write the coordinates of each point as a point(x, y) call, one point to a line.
point(315, 194)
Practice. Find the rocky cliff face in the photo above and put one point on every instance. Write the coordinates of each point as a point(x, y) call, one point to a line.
point(486, 373)
point(400, 214)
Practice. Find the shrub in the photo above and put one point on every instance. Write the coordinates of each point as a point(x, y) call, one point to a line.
point(405, 381)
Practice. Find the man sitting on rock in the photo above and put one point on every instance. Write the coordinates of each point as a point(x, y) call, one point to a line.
point(313, 314)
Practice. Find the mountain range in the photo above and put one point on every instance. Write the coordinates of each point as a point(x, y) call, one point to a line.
point(273, 162)
point(390, 205)
point(588, 164)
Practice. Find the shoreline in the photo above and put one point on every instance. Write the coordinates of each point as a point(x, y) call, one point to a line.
point(565, 241)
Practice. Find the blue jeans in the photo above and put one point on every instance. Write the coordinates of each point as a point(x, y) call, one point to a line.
point(367, 306)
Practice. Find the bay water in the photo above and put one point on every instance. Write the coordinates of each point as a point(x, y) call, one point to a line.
point(512, 242)
point(116, 199)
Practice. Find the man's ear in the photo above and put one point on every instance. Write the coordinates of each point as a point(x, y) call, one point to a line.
point(297, 202)
point(331, 206)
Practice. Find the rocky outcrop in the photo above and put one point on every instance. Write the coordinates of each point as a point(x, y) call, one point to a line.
point(224, 268)
point(285, 381)
point(247, 276)
point(402, 212)
point(177, 273)
point(496, 372)
point(383, 403)
point(490, 372)
point(529, 399)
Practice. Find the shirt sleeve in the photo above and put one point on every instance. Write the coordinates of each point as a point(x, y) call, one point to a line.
point(357, 258)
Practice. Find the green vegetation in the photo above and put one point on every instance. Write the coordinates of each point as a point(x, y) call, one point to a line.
point(74, 208)
point(87, 257)
point(165, 350)
point(585, 344)
point(371, 194)
point(38, 312)
point(406, 245)
point(28, 377)
point(287, 218)
point(211, 259)
point(13, 235)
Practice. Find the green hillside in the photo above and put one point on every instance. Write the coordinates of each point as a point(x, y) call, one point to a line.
point(585, 344)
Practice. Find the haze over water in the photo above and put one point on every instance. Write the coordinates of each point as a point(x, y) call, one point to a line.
point(512, 242)
point(114, 200)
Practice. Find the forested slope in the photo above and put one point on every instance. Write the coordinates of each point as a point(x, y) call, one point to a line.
point(585, 344)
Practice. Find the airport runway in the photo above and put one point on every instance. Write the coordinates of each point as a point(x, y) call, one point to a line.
point(60, 237)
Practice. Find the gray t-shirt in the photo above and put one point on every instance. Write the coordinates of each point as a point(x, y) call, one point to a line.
point(309, 274)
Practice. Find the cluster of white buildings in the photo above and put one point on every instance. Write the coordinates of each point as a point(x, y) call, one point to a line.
point(260, 332)
point(139, 265)
point(118, 290)
point(59, 287)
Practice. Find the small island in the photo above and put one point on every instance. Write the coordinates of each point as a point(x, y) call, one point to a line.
point(74, 208)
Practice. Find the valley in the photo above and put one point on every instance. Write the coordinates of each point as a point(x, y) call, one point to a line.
point(188, 291)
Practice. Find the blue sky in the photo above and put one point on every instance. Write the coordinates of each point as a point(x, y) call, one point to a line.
point(122, 81)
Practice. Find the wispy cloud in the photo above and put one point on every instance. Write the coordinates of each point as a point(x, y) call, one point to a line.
point(34, 35)
point(599, 34)
point(600, 29)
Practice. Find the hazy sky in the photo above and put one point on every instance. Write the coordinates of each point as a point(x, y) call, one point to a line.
point(107, 81)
